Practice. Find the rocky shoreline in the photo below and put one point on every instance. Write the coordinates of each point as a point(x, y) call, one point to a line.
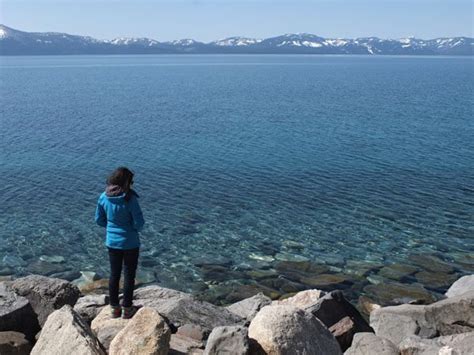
point(44, 315)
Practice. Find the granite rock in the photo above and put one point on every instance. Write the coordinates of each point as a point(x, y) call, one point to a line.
point(64, 332)
point(249, 307)
point(370, 344)
point(89, 306)
point(285, 330)
point(14, 343)
point(105, 327)
point(450, 316)
point(145, 334)
point(228, 340)
point(462, 285)
point(16, 313)
point(181, 308)
point(46, 294)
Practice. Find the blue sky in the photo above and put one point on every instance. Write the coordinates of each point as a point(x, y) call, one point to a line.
point(207, 20)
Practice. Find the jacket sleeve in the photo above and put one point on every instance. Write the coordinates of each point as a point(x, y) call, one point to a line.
point(137, 215)
point(100, 216)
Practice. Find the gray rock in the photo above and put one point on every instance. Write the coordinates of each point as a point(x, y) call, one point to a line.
point(180, 345)
point(459, 344)
point(46, 294)
point(66, 333)
point(16, 313)
point(288, 330)
point(249, 307)
point(145, 334)
point(14, 343)
point(181, 308)
point(89, 306)
point(463, 285)
point(302, 299)
point(228, 340)
point(450, 316)
point(331, 309)
point(192, 331)
point(106, 328)
point(370, 344)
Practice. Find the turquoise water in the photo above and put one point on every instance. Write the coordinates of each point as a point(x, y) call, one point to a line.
point(241, 162)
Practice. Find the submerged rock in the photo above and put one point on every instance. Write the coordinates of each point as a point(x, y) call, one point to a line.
point(261, 257)
point(397, 293)
point(146, 333)
point(431, 263)
point(281, 330)
point(326, 281)
point(397, 271)
point(44, 268)
point(46, 294)
point(66, 333)
point(54, 259)
point(435, 279)
point(291, 257)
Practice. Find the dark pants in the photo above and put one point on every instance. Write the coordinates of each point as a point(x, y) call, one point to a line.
point(129, 259)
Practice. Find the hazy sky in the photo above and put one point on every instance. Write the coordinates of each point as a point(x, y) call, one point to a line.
point(207, 20)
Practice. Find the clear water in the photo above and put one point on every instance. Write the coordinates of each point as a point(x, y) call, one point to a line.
point(359, 160)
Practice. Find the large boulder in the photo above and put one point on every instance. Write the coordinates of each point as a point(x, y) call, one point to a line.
point(249, 307)
point(106, 328)
point(288, 330)
point(46, 294)
point(450, 316)
point(459, 344)
point(146, 334)
point(463, 285)
point(181, 308)
point(370, 344)
point(14, 343)
point(341, 317)
point(64, 332)
point(16, 313)
point(89, 306)
point(228, 340)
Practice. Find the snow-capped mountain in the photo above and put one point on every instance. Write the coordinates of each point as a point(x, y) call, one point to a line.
point(14, 42)
point(236, 41)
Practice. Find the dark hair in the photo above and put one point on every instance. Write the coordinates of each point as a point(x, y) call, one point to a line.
point(122, 177)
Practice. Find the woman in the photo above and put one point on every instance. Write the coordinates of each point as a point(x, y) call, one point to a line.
point(118, 210)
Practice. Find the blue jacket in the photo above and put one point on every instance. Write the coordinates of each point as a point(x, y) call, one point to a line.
point(123, 220)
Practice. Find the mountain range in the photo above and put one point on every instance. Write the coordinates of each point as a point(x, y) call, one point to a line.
point(15, 42)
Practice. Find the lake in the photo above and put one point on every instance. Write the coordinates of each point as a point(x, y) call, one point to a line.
point(269, 173)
